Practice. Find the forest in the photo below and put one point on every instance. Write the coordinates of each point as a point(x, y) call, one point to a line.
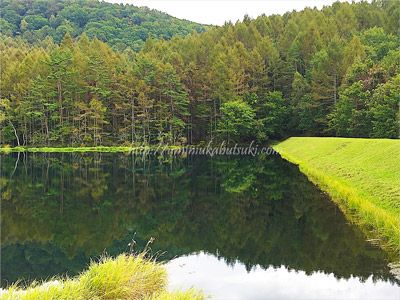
point(329, 72)
point(121, 26)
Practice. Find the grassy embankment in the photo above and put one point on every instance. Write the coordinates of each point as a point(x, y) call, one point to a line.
point(361, 175)
point(125, 277)
point(86, 149)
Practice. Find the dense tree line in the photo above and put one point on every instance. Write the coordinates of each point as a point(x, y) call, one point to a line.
point(334, 71)
point(121, 26)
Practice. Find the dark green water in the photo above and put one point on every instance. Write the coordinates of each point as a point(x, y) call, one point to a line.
point(250, 213)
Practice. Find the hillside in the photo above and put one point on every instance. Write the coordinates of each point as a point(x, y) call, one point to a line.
point(362, 175)
point(121, 26)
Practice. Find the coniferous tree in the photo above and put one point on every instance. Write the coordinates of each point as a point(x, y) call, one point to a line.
point(316, 72)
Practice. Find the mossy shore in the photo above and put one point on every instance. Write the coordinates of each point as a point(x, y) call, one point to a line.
point(132, 277)
point(361, 175)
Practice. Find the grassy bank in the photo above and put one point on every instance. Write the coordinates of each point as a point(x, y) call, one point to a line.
point(85, 149)
point(67, 149)
point(125, 277)
point(361, 175)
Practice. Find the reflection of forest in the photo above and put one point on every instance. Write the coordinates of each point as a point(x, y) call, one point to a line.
point(59, 210)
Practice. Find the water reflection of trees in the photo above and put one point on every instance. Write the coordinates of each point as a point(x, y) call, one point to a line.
point(60, 210)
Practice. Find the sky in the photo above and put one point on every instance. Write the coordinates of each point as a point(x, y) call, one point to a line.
point(217, 12)
point(215, 277)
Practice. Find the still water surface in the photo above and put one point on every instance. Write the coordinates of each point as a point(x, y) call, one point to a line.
point(236, 227)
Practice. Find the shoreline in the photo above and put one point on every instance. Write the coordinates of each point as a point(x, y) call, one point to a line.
point(380, 225)
point(209, 149)
point(5, 150)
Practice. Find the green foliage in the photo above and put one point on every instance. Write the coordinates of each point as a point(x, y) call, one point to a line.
point(237, 120)
point(6, 27)
point(33, 22)
point(385, 109)
point(378, 42)
point(316, 72)
point(273, 114)
point(121, 26)
point(351, 116)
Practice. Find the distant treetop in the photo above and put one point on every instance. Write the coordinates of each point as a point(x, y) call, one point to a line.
point(120, 25)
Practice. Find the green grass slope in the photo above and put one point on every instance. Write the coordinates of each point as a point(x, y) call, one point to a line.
point(361, 175)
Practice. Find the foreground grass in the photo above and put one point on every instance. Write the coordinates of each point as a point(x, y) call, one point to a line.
point(361, 175)
point(125, 277)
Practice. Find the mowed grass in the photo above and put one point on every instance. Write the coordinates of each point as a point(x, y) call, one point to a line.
point(124, 277)
point(362, 175)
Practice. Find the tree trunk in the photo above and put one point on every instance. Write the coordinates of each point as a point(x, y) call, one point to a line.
point(133, 133)
point(15, 133)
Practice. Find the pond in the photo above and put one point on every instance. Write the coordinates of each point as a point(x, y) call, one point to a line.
point(236, 227)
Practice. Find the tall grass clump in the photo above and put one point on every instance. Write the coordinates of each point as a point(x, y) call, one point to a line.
point(361, 175)
point(132, 277)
